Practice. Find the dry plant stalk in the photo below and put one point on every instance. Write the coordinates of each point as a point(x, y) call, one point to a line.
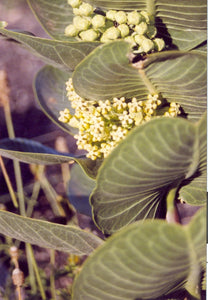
point(17, 274)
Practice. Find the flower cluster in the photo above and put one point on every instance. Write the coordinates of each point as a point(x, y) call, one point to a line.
point(135, 27)
point(103, 124)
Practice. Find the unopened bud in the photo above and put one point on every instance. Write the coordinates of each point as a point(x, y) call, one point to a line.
point(112, 33)
point(71, 30)
point(139, 38)
point(121, 17)
point(81, 23)
point(74, 3)
point(141, 28)
point(146, 17)
point(130, 40)
point(3, 24)
point(124, 29)
point(134, 18)
point(147, 45)
point(98, 21)
point(111, 15)
point(151, 31)
point(17, 277)
point(86, 9)
point(89, 35)
point(159, 44)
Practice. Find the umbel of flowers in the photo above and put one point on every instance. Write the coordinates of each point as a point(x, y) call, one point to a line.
point(135, 27)
point(103, 124)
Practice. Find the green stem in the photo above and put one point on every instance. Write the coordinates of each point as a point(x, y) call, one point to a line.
point(8, 182)
point(150, 7)
point(31, 270)
point(172, 213)
point(52, 279)
point(147, 82)
point(42, 292)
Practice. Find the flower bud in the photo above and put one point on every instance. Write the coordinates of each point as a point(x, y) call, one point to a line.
point(111, 15)
point(124, 29)
point(98, 21)
point(89, 35)
point(159, 44)
point(141, 28)
point(120, 17)
point(112, 33)
point(151, 31)
point(139, 38)
point(134, 18)
point(74, 3)
point(86, 9)
point(147, 45)
point(130, 40)
point(71, 30)
point(81, 23)
point(147, 17)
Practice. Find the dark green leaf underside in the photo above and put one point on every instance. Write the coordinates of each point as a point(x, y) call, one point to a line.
point(33, 152)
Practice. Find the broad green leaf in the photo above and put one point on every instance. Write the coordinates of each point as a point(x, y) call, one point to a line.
point(49, 235)
point(144, 261)
point(134, 179)
point(182, 23)
point(50, 91)
point(194, 190)
point(63, 54)
point(54, 16)
point(33, 152)
point(79, 190)
point(178, 76)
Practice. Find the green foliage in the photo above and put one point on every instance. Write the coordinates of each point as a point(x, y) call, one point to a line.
point(133, 181)
point(144, 260)
point(158, 162)
point(49, 235)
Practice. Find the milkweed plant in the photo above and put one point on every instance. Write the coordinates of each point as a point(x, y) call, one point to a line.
point(128, 80)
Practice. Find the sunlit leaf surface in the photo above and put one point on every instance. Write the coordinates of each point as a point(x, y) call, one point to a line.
point(62, 54)
point(54, 16)
point(133, 181)
point(144, 261)
point(49, 235)
point(178, 76)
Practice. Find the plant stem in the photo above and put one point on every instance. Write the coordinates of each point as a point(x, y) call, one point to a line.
point(52, 279)
point(5, 100)
point(172, 213)
point(31, 270)
point(147, 82)
point(150, 7)
point(42, 292)
point(9, 184)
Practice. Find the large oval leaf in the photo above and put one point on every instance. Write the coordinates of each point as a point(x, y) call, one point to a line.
point(145, 261)
point(178, 76)
point(54, 16)
point(194, 190)
point(33, 152)
point(49, 235)
point(133, 181)
point(79, 189)
point(182, 23)
point(63, 54)
point(50, 91)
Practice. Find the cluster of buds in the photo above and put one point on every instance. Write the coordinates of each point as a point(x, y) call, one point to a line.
point(135, 27)
point(103, 124)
